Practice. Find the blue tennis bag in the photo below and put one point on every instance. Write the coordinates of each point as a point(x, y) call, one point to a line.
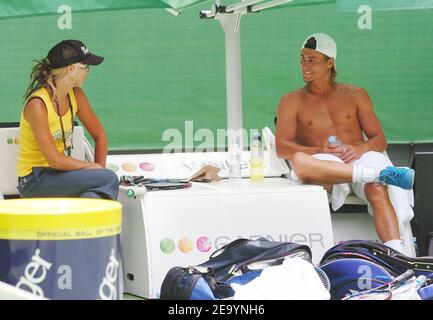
point(240, 261)
point(426, 293)
point(358, 265)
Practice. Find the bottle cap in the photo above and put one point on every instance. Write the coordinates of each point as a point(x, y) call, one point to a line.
point(332, 139)
point(257, 135)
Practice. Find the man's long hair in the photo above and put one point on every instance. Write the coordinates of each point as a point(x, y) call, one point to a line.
point(333, 71)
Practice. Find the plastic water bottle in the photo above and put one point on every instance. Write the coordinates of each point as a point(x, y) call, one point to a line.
point(235, 159)
point(257, 164)
point(334, 140)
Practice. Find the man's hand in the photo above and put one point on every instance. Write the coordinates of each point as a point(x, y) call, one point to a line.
point(352, 153)
point(334, 149)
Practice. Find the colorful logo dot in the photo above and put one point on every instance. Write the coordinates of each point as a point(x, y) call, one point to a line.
point(17, 141)
point(112, 167)
point(146, 166)
point(10, 141)
point(129, 167)
point(185, 245)
point(167, 245)
point(203, 244)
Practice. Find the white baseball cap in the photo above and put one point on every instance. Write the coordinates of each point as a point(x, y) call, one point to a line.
point(322, 43)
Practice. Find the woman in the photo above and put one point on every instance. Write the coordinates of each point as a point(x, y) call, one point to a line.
point(45, 168)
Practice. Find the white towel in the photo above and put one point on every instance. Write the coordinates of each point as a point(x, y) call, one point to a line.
point(295, 279)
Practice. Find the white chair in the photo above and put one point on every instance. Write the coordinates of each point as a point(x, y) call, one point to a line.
point(9, 149)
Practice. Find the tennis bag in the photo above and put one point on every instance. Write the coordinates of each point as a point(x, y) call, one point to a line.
point(240, 261)
point(359, 265)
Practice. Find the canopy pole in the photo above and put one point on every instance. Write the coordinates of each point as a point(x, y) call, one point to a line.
point(231, 26)
point(230, 19)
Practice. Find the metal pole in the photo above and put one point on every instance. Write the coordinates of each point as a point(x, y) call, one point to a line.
point(231, 26)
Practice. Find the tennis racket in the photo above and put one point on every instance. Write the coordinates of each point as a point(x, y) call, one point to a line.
point(383, 292)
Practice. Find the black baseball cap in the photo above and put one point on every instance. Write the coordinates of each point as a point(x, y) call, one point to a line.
point(68, 52)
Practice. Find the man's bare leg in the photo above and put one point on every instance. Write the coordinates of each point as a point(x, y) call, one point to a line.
point(327, 172)
point(323, 172)
point(385, 219)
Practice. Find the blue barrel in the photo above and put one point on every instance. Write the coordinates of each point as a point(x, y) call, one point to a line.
point(62, 248)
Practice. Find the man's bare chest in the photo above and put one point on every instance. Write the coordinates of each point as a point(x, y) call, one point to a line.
point(325, 114)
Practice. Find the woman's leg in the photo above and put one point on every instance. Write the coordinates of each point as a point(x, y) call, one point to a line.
point(92, 183)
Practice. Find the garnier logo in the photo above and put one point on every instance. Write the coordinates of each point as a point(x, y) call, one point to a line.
point(107, 289)
point(34, 274)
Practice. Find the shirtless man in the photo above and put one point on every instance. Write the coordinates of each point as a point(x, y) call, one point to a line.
point(307, 117)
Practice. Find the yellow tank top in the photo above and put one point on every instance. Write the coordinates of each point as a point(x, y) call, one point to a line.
point(30, 154)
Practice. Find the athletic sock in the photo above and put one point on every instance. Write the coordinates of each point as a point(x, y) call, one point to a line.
point(293, 176)
point(365, 174)
point(395, 244)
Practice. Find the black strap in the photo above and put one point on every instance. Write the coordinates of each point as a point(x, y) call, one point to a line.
point(220, 289)
point(66, 149)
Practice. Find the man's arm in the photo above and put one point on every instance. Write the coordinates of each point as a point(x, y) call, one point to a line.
point(370, 125)
point(90, 121)
point(286, 128)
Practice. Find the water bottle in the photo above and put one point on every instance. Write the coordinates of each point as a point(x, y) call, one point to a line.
point(257, 163)
point(235, 159)
point(334, 140)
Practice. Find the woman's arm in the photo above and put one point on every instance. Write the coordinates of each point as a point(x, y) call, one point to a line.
point(36, 114)
point(90, 121)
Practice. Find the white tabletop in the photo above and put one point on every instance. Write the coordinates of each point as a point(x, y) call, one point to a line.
point(268, 185)
point(241, 186)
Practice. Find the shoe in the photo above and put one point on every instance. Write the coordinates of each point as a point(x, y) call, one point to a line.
point(399, 177)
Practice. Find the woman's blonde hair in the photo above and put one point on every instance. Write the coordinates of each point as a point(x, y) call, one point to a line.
point(43, 75)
